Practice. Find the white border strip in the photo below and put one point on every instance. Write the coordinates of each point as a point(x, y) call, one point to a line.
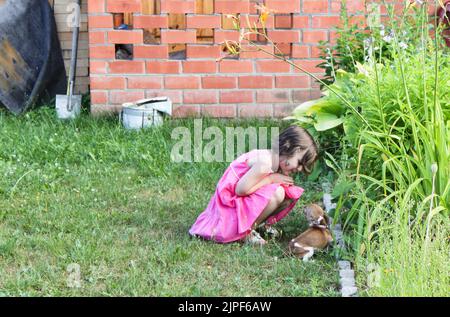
point(346, 273)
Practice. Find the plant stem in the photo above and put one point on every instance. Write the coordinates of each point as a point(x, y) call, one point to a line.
point(316, 78)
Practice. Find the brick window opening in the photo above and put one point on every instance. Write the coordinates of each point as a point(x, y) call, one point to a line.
point(152, 36)
point(205, 36)
point(204, 6)
point(226, 53)
point(151, 7)
point(283, 21)
point(228, 22)
point(123, 21)
point(177, 51)
point(124, 51)
point(177, 21)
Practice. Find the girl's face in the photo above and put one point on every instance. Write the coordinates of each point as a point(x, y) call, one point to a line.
point(293, 164)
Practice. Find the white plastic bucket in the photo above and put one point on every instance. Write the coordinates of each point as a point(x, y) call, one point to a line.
point(145, 113)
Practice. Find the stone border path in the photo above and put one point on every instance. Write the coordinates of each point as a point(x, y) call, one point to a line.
point(346, 273)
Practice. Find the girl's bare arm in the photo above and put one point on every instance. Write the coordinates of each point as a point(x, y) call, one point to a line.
point(255, 178)
point(259, 175)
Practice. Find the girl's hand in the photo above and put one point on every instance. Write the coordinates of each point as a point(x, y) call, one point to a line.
point(280, 178)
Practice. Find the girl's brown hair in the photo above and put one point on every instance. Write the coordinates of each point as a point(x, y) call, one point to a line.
point(296, 138)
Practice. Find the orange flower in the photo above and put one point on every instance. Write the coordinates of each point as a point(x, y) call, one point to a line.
point(264, 12)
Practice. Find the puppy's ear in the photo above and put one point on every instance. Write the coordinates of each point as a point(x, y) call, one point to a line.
point(320, 204)
point(308, 213)
point(307, 210)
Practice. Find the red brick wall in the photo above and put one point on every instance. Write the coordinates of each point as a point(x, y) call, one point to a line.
point(253, 85)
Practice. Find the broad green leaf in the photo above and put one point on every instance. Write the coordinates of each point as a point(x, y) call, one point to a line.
point(315, 173)
point(326, 121)
point(305, 107)
point(304, 119)
point(342, 188)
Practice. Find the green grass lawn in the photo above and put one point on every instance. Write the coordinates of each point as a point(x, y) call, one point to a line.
point(91, 193)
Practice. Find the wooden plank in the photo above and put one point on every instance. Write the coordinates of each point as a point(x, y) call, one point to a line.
point(177, 48)
point(152, 36)
point(208, 6)
point(199, 6)
point(128, 18)
point(157, 6)
point(148, 7)
point(151, 6)
point(177, 21)
point(204, 6)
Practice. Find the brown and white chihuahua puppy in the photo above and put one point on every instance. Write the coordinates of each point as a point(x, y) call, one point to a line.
point(316, 216)
point(318, 236)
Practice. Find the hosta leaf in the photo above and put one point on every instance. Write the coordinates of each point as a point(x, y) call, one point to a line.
point(305, 107)
point(304, 119)
point(329, 105)
point(326, 121)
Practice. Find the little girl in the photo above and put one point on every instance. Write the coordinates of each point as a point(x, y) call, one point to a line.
point(257, 188)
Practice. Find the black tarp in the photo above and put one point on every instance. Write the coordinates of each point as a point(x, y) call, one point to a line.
point(31, 63)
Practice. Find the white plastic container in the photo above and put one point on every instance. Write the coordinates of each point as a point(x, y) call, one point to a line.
point(145, 113)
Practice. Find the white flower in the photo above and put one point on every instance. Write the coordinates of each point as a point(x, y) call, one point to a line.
point(403, 45)
point(387, 38)
point(368, 42)
point(434, 168)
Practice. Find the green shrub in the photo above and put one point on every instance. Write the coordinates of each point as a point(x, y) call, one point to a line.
point(395, 115)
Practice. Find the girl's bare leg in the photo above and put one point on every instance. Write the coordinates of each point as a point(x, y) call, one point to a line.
point(273, 206)
point(286, 202)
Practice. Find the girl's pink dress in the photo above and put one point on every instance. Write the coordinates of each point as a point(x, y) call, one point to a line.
point(229, 217)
